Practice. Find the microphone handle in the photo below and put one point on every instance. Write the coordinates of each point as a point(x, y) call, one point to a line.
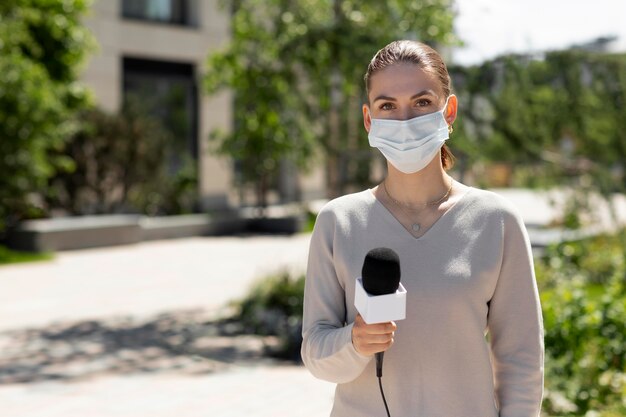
point(379, 364)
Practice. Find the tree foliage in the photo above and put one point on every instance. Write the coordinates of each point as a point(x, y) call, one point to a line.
point(42, 44)
point(562, 115)
point(296, 69)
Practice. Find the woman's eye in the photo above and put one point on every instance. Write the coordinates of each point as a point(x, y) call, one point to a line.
point(422, 103)
point(386, 106)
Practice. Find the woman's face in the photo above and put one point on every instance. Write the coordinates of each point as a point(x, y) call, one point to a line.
point(404, 91)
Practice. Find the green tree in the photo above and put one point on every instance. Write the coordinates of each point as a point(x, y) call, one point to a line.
point(562, 115)
point(42, 44)
point(296, 69)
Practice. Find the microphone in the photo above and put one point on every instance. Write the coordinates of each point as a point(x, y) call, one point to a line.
point(379, 296)
point(381, 271)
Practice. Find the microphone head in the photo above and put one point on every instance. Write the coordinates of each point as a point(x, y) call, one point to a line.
point(381, 271)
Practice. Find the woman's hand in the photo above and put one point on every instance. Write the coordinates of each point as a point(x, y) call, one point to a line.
point(369, 339)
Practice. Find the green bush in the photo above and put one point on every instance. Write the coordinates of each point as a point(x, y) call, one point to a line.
point(310, 221)
point(274, 307)
point(119, 164)
point(583, 291)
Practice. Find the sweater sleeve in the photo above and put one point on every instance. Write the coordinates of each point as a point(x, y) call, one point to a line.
point(327, 349)
point(516, 327)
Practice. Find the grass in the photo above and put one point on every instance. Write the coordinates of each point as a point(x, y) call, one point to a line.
point(9, 256)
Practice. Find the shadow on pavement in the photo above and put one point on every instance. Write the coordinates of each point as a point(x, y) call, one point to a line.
point(187, 342)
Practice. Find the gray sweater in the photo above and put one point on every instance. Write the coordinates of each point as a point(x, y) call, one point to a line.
point(472, 341)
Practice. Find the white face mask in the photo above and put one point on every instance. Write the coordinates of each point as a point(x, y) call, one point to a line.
point(411, 144)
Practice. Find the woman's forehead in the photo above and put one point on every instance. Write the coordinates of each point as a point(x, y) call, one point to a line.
point(403, 79)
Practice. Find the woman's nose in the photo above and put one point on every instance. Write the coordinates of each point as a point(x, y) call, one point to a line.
point(408, 113)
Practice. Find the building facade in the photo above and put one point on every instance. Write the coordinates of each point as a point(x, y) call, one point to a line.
point(157, 50)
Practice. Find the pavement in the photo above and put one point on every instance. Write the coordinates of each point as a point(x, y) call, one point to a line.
point(139, 330)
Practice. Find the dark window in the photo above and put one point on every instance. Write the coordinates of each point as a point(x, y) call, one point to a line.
point(174, 12)
point(167, 91)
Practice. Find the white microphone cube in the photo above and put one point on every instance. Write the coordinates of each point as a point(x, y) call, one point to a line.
point(380, 308)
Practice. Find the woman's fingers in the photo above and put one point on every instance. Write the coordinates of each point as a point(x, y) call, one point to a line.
point(372, 338)
point(370, 348)
point(381, 328)
point(376, 328)
point(375, 338)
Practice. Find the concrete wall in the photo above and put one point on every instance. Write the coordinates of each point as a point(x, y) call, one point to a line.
point(119, 37)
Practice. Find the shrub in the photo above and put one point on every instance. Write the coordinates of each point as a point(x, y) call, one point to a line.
point(584, 306)
point(274, 307)
point(119, 164)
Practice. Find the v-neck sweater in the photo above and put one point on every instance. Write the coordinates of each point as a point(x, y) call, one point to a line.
point(472, 341)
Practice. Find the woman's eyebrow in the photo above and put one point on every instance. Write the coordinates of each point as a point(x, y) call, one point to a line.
point(427, 92)
point(383, 97)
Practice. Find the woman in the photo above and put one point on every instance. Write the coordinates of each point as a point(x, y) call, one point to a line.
point(465, 260)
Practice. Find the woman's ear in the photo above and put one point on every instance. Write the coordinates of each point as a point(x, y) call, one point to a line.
point(367, 118)
point(450, 113)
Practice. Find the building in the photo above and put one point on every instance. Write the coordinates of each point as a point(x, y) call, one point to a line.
point(162, 46)
point(157, 49)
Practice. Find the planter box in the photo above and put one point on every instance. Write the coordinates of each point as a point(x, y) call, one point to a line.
point(109, 230)
point(76, 232)
point(172, 227)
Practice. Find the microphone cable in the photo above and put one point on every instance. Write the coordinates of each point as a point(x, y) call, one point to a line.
point(379, 374)
point(382, 393)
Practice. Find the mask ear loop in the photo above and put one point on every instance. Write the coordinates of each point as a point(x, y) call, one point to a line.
point(443, 112)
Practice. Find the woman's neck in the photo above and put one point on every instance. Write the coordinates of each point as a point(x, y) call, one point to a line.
point(420, 188)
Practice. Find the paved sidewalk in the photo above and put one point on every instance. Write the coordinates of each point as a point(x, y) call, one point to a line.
point(143, 279)
point(111, 332)
point(263, 391)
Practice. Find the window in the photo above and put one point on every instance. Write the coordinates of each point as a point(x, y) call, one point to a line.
point(167, 91)
point(174, 12)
